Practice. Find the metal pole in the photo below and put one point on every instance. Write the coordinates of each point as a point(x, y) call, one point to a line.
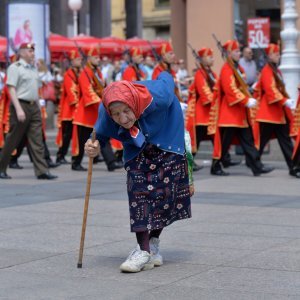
point(75, 22)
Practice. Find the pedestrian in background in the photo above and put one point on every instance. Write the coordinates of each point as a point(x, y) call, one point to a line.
point(149, 66)
point(25, 115)
point(248, 64)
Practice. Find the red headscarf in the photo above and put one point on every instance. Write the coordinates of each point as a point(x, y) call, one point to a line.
point(135, 95)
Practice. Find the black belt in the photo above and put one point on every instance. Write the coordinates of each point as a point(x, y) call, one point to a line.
point(30, 102)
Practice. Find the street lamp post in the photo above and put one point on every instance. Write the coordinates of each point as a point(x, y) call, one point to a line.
point(290, 60)
point(75, 6)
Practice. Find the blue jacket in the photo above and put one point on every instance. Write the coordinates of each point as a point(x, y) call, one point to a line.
point(161, 123)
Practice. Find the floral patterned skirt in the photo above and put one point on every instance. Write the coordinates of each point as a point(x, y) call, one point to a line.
point(158, 189)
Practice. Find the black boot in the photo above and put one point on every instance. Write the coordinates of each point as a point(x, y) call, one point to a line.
point(51, 164)
point(61, 160)
point(262, 170)
point(115, 165)
point(196, 167)
point(216, 168)
point(295, 172)
point(15, 165)
point(228, 162)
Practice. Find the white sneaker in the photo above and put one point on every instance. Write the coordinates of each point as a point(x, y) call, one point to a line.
point(138, 260)
point(157, 259)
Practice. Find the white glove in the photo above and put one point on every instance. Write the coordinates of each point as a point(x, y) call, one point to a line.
point(42, 102)
point(251, 103)
point(289, 103)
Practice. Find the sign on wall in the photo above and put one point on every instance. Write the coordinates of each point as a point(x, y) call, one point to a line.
point(27, 24)
point(258, 32)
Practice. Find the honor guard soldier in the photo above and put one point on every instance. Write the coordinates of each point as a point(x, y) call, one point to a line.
point(167, 58)
point(25, 115)
point(272, 113)
point(4, 114)
point(4, 107)
point(67, 106)
point(296, 129)
point(133, 71)
point(91, 86)
point(202, 93)
point(233, 116)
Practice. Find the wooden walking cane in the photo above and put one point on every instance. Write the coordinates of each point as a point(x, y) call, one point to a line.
point(86, 204)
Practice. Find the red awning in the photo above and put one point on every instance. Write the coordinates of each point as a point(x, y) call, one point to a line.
point(85, 41)
point(137, 42)
point(3, 48)
point(157, 42)
point(112, 46)
point(59, 43)
point(145, 45)
point(59, 46)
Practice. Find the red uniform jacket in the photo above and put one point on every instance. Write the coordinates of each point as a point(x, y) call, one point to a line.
point(233, 112)
point(204, 95)
point(4, 114)
point(130, 74)
point(271, 101)
point(160, 68)
point(86, 113)
point(163, 67)
point(295, 130)
point(70, 95)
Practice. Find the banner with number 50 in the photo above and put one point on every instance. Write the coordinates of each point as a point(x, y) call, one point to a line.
point(258, 32)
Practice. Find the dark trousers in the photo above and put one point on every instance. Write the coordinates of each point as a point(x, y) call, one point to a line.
point(281, 132)
point(296, 160)
point(201, 135)
point(84, 134)
point(32, 128)
point(21, 146)
point(67, 128)
point(247, 143)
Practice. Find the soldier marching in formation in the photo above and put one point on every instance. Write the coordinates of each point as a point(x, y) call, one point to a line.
point(220, 109)
point(68, 102)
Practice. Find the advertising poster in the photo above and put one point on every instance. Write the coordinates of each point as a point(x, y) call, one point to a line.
point(258, 32)
point(27, 23)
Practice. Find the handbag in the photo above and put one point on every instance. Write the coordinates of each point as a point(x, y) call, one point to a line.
point(48, 91)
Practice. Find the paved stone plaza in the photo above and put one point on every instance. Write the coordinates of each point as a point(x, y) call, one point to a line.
point(243, 241)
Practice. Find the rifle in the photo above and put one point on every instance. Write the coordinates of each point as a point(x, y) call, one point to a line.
point(278, 79)
point(155, 54)
point(166, 67)
point(237, 74)
point(243, 85)
point(99, 84)
point(196, 56)
point(210, 78)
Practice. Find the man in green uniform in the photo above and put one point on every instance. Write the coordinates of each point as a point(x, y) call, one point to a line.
point(25, 115)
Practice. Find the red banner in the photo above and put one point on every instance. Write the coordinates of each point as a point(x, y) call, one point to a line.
point(258, 32)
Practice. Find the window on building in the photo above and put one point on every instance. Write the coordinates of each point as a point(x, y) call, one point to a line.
point(163, 32)
point(162, 3)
